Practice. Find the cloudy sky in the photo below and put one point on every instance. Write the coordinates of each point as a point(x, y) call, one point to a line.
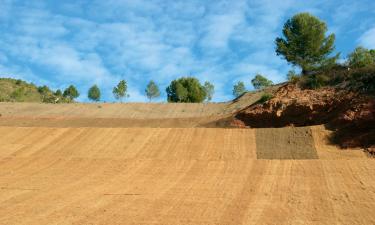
point(86, 42)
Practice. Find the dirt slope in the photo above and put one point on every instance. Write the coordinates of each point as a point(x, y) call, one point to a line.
point(122, 115)
point(350, 114)
point(105, 164)
point(176, 176)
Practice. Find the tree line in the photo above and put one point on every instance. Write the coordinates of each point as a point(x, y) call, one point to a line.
point(185, 89)
point(304, 44)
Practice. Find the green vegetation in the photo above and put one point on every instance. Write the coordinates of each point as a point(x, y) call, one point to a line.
point(58, 93)
point(71, 92)
point(361, 57)
point(152, 90)
point(305, 44)
point(186, 89)
point(15, 90)
point(210, 90)
point(265, 97)
point(120, 91)
point(239, 89)
point(94, 93)
point(293, 77)
point(260, 82)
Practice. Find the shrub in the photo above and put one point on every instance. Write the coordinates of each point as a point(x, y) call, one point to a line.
point(361, 57)
point(186, 89)
point(265, 97)
point(260, 82)
point(293, 77)
point(314, 81)
point(363, 80)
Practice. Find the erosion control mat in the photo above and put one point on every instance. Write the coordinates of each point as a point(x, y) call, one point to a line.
point(285, 143)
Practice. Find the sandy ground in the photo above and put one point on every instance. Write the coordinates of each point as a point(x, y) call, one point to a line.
point(54, 175)
point(127, 110)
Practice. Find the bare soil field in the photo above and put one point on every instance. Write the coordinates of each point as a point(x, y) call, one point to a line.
point(93, 175)
point(127, 110)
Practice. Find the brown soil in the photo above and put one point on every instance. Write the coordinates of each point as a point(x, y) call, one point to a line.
point(175, 176)
point(105, 164)
point(109, 122)
point(351, 115)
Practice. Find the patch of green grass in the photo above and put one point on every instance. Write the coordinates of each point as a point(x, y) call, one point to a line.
point(265, 97)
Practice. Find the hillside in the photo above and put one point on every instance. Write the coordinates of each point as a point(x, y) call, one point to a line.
point(12, 90)
point(173, 163)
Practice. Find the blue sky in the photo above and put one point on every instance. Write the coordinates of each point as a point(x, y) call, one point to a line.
point(86, 42)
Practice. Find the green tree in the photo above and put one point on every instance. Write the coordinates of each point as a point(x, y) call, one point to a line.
point(71, 92)
point(44, 90)
point(94, 93)
point(292, 76)
point(152, 90)
point(58, 93)
point(372, 52)
point(239, 89)
point(186, 89)
point(361, 57)
point(120, 91)
point(209, 89)
point(260, 82)
point(305, 43)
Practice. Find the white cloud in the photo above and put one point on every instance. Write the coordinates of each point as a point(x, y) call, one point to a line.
point(222, 41)
point(368, 39)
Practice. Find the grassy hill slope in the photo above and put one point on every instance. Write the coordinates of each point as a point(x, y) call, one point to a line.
point(12, 90)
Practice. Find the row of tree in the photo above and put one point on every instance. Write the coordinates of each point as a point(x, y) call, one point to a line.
point(185, 89)
point(304, 44)
point(120, 91)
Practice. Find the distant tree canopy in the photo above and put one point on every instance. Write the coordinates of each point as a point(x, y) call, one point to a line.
point(209, 89)
point(305, 44)
point(120, 91)
point(239, 89)
point(260, 82)
point(361, 57)
point(186, 89)
point(94, 93)
point(44, 89)
point(58, 93)
point(152, 90)
point(71, 92)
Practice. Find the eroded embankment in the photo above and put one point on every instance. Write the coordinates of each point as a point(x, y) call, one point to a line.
point(350, 115)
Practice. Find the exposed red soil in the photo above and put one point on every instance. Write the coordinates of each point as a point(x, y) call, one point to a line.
point(351, 115)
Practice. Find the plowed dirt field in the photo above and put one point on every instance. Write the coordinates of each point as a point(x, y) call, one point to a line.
point(92, 175)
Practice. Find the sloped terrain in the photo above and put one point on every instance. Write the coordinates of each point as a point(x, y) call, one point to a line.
point(122, 115)
point(151, 164)
point(12, 90)
point(176, 176)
